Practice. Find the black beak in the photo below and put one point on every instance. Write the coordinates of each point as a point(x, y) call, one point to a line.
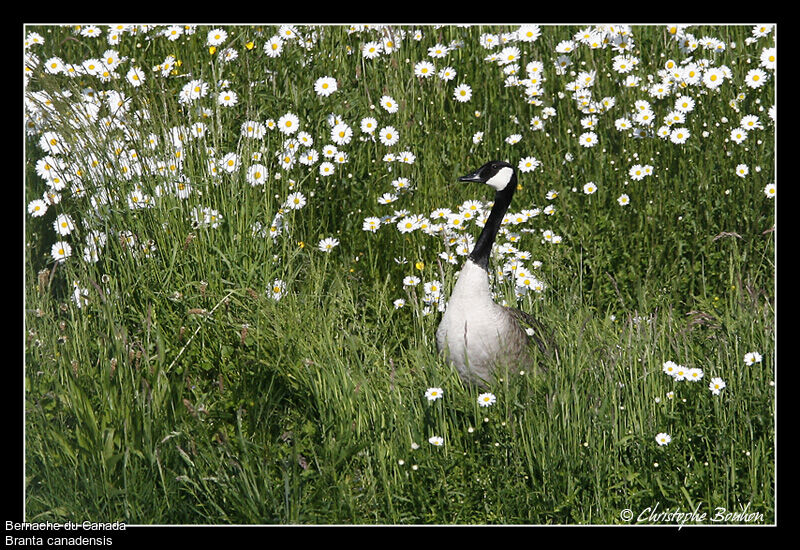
point(473, 177)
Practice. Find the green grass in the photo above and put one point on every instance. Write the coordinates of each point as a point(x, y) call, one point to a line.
point(181, 392)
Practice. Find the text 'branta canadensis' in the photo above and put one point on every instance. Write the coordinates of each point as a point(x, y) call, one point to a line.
point(477, 335)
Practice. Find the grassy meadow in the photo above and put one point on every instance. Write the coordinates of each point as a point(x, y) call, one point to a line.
point(239, 241)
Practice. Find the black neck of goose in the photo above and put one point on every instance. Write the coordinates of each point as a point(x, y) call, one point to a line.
point(483, 246)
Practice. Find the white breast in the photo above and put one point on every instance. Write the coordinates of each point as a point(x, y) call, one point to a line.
point(470, 333)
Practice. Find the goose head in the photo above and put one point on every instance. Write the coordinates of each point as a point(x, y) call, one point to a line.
point(497, 174)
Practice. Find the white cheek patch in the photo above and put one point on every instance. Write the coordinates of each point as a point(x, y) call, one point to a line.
point(501, 178)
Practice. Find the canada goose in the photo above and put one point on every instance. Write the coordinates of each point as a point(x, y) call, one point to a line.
point(477, 335)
